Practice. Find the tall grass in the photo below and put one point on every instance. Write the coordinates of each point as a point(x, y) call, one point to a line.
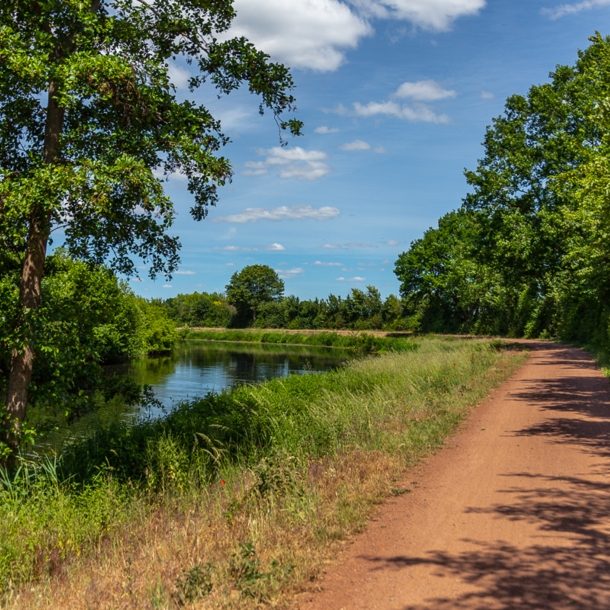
point(235, 499)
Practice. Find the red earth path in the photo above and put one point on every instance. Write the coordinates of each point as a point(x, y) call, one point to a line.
point(513, 513)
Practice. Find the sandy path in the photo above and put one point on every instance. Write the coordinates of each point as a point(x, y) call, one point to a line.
point(513, 513)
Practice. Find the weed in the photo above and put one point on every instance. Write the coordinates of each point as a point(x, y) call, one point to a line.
point(194, 584)
point(278, 475)
point(158, 597)
point(245, 569)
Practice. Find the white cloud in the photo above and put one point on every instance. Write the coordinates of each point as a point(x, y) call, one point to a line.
point(184, 273)
point(416, 112)
point(325, 264)
point(137, 279)
point(229, 264)
point(391, 242)
point(275, 247)
point(178, 76)
point(418, 92)
point(313, 34)
point(423, 91)
point(351, 279)
point(235, 249)
point(571, 9)
point(292, 162)
point(380, 150)
point(486, 95)
point(285, 274)
point(324, 129)
point(355, 145)
point(312, 171)
point(280, 156)
point(316, 34)
point(427, 14)
point(255, 168)
point(167, 285)
point(238, 117)
point(293, 212)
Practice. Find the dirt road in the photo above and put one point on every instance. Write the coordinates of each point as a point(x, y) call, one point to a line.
point(513, 513)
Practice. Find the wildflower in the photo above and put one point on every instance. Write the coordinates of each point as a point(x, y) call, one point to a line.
point(222, 482)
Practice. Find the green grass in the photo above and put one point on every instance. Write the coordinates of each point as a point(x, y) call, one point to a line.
point(359, 341)
point(263, 441)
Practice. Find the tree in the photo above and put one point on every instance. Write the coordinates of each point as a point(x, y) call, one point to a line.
point(527, 253)
point(88, 121)
point(251, 287)
point(87, 318)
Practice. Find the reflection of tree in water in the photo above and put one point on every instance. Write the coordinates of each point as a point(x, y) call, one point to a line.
point(151, 371)
point(230, 364)
point(253, 363)
point(202, 366)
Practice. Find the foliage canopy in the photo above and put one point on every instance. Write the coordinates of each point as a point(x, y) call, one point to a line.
point(253, 286)
point(527, 253)
point(90, 124)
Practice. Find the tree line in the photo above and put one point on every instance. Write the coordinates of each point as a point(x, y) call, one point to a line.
point(255, 297)
point(527, 252)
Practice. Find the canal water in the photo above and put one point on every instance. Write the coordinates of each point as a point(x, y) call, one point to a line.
point(192, 370)
point(196, 368)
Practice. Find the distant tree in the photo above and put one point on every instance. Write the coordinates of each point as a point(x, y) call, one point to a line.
point(89, 120)
point(200, 309)
point(251, 287)
point(392, 313)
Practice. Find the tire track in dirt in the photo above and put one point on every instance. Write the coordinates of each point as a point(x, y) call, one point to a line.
point(513, 513)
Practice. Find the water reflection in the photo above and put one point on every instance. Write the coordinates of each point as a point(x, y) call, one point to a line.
point(196, 368)
point(193, 369)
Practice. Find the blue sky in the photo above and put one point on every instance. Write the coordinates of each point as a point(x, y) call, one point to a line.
point(395, 96)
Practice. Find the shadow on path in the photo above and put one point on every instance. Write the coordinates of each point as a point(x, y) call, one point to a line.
point(568, 564)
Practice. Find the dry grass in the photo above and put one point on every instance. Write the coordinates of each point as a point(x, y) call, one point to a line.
point(237, 544)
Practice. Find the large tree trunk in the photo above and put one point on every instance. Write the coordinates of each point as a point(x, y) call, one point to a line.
point(22, 361)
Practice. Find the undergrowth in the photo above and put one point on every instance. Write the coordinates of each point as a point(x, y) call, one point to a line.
point(235, 500)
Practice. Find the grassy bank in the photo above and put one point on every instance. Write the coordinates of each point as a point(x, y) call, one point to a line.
point(237, 499)
point(360, 341)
